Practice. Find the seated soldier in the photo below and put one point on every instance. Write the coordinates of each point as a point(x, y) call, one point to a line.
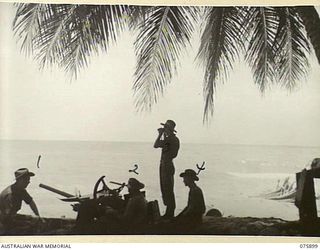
point(11, 198)
point(134, 217)
point(191, 215)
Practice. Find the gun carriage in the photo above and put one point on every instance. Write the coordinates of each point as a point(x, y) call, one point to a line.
point(93, 207)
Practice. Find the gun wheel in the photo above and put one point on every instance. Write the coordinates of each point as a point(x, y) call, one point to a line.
point(96, 189)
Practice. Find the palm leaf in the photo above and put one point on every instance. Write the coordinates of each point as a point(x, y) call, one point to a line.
point(69, 34)
point(291, 48)
point(221, 42)
point(26, 25)
point(260, 54)
point(137, 15)
point(51, 38)
point(277, 47)
point(311, 22)
point(164, 33)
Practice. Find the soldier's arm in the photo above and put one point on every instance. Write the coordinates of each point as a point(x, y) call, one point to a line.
point(34, 208)
point(158, 142)
point(28, 199)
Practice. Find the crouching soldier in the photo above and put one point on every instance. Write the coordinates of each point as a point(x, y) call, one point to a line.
point(11, 200)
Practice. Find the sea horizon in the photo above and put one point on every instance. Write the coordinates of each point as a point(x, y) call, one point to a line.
point(182, 142)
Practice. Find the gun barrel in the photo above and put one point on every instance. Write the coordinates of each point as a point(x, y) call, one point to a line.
point(117, 183)
point(57, 191)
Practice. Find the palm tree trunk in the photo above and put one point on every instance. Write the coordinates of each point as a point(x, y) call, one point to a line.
point(311, 21)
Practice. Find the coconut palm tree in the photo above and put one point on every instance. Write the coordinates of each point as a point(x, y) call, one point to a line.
point(274, 41)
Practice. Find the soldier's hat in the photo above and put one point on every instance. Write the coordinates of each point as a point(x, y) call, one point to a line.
point(134, 183)
point(170, 124)
point(23, 172)
point(190, 173)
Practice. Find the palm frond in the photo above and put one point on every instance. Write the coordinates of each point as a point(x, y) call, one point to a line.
point(137, 15)
point(291, 48)
point(275, 41)
point(27, 24)
point(260, 54)
point(52, 36)
point(311, 22)
point(69, 34)
point(221, 43)
point(164, 33)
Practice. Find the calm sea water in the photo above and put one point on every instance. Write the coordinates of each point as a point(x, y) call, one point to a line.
point(234, 177)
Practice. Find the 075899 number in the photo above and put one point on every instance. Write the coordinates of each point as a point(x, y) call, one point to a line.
point(308, 245)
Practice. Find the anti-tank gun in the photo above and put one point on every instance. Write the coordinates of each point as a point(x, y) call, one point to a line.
point(92, 206)
point(101, 211)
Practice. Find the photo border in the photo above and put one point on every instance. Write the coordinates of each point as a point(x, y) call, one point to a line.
point(165, 238)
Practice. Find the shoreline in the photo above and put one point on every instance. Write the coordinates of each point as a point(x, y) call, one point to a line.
point(228, 226)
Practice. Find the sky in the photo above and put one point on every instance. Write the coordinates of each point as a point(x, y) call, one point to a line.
point(99, 105)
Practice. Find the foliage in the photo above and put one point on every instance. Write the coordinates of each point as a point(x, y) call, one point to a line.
point(274, 41)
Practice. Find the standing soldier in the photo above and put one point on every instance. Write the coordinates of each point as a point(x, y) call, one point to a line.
point(169, 142)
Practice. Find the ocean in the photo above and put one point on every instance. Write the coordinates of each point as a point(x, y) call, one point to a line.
point(234, 178)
